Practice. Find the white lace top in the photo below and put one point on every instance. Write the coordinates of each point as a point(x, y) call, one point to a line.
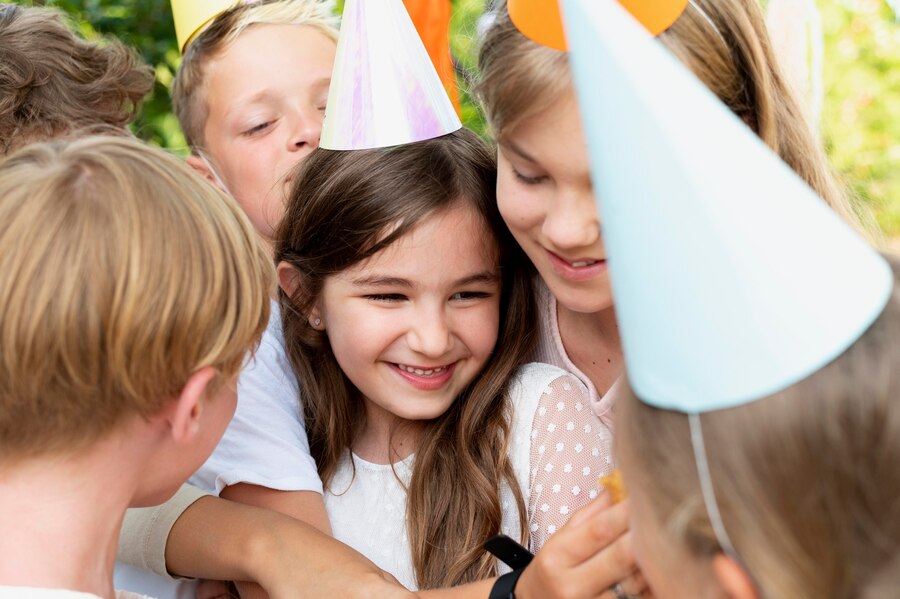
point(558, 449)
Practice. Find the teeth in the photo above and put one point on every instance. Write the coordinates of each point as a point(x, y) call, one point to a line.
point(584, 263)
point(420, 372)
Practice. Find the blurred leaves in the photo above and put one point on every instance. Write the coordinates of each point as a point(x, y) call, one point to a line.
point(861, 116)
point(145, 25)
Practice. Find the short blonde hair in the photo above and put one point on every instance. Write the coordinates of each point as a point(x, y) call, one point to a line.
point(121, 273)
point(188, 93)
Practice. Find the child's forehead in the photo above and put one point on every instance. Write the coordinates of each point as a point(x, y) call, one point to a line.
point(264, 50)
point(280, 60)
point(447, 245)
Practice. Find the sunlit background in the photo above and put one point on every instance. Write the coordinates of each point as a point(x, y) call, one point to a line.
point(859, 122)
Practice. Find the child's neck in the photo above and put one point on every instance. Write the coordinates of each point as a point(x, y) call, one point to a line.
point(593, 345)
point(61, 516)
point(386, 439)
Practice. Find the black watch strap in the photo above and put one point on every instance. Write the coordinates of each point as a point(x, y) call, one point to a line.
point(505, 587)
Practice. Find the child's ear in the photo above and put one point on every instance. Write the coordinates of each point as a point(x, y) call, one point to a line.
point(288, 278)
point(733, 579)
point(289, 281)
point(184, 418)
point(202, 168)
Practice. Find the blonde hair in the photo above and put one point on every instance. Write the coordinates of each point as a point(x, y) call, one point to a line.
point(806, 480)
point(726, 45)
point(121, 274)
point(52, 81)
point(188, 93)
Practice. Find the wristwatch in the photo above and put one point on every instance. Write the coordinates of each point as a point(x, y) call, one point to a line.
point(513, 555)
point(505, 587)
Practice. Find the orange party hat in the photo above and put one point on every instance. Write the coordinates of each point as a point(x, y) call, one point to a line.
point(541, 20)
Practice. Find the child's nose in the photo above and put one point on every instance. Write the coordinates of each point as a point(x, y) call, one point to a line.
point(429, 335)
point(572, 221)
point(306, 131)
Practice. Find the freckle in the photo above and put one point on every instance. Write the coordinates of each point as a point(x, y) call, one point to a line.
point(609, 360)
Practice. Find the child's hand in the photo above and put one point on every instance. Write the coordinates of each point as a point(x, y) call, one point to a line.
point(586, 558)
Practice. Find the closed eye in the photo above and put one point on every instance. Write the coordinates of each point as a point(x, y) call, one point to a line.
point(258, 128)
point(385, 297)
point(470, 295)
point(529, 180)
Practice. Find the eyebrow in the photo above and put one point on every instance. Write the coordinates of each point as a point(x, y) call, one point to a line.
point(517, 150)
point(386, 281)
point(263, 95)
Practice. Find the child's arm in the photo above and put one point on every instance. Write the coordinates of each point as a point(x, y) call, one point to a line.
point(306, 506)
point(569, 449)
point(224, 540)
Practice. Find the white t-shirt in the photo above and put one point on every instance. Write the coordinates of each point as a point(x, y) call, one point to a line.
point(265, 444)
point(558, 449)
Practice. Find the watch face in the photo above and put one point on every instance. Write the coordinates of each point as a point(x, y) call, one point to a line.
point(508, 551)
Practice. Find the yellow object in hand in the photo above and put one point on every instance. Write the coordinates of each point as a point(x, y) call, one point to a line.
point(614, 484)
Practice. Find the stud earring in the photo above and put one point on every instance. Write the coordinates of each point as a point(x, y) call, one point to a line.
point(317, 322)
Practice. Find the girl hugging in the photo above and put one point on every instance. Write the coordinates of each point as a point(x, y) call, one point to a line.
point(408, 310)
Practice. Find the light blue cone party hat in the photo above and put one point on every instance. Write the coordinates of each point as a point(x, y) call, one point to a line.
point(732, 278)
point(384, 88)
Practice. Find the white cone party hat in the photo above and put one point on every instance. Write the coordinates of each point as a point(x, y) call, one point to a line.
point(732, 278)
point(384, 89)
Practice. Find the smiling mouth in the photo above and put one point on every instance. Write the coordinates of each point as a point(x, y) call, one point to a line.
point(430, 371)
point(425, 378)
point(578, 270)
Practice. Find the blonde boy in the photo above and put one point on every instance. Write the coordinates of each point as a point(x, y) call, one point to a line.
point(250, 96)
point(131, 293)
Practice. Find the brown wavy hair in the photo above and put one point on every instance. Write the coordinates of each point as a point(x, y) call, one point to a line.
point(346, 207)
point(53, 82)
point(806, 480)
point(730, 53)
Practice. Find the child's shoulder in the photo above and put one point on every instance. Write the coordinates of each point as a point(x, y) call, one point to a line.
point(535, 379)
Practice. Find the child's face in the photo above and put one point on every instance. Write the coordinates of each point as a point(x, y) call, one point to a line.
point(169, 471)
point(412, 326)
point(545, 195)
point(266, 97)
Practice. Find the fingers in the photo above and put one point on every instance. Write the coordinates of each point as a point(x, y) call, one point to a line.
point(212, 589)
point(635, 585)
point(582, 539)
point(591, 509)
point(610, 566)
point(584, 558)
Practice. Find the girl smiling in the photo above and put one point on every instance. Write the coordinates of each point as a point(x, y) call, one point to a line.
point(407, 309)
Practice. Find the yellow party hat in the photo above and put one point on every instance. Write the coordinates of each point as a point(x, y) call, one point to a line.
point(192, 15)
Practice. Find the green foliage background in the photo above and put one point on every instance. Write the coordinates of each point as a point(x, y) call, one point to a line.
point(860, 119)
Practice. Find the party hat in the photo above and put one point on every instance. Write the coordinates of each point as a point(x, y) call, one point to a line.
point(541, 21)
point(192, 15)
point(384, 89)
point(732, 278)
